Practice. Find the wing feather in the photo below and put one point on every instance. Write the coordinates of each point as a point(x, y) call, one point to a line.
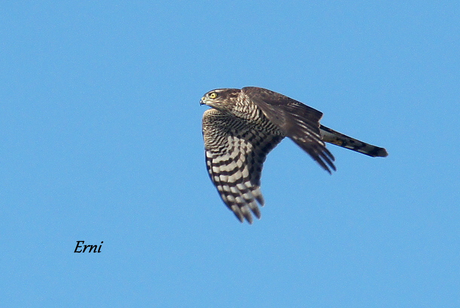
point(296, 120)
point(235, 153)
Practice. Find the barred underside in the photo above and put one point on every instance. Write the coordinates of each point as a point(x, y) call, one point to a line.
point(235, 153)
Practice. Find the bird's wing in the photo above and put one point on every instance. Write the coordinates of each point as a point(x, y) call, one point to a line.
point(235, 153)
point(297, 121)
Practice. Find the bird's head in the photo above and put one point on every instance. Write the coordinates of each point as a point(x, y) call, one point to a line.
point(221, 99)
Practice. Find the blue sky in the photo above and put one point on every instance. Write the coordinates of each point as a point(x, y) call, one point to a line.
point(100, 129)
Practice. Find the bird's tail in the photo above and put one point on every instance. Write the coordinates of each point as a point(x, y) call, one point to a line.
point(331, 136)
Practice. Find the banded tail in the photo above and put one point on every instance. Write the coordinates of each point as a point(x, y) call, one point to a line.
point(331, 136)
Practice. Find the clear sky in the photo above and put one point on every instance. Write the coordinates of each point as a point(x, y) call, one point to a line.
point(100, 131)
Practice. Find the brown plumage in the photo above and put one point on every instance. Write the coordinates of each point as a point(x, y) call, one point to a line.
point(244, 125)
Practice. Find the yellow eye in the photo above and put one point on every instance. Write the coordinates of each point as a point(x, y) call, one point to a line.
point(212, 95)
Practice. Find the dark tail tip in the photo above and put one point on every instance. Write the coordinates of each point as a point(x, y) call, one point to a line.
point(380, 152)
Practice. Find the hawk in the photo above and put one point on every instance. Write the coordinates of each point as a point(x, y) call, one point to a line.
point(244, 125)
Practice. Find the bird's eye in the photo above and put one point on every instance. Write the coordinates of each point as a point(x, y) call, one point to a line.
point(212, 95)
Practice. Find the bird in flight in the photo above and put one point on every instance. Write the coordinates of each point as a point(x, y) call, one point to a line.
point(244, 125)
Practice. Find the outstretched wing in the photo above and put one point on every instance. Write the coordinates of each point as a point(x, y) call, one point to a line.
point(297, 121)
point(235, 153)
